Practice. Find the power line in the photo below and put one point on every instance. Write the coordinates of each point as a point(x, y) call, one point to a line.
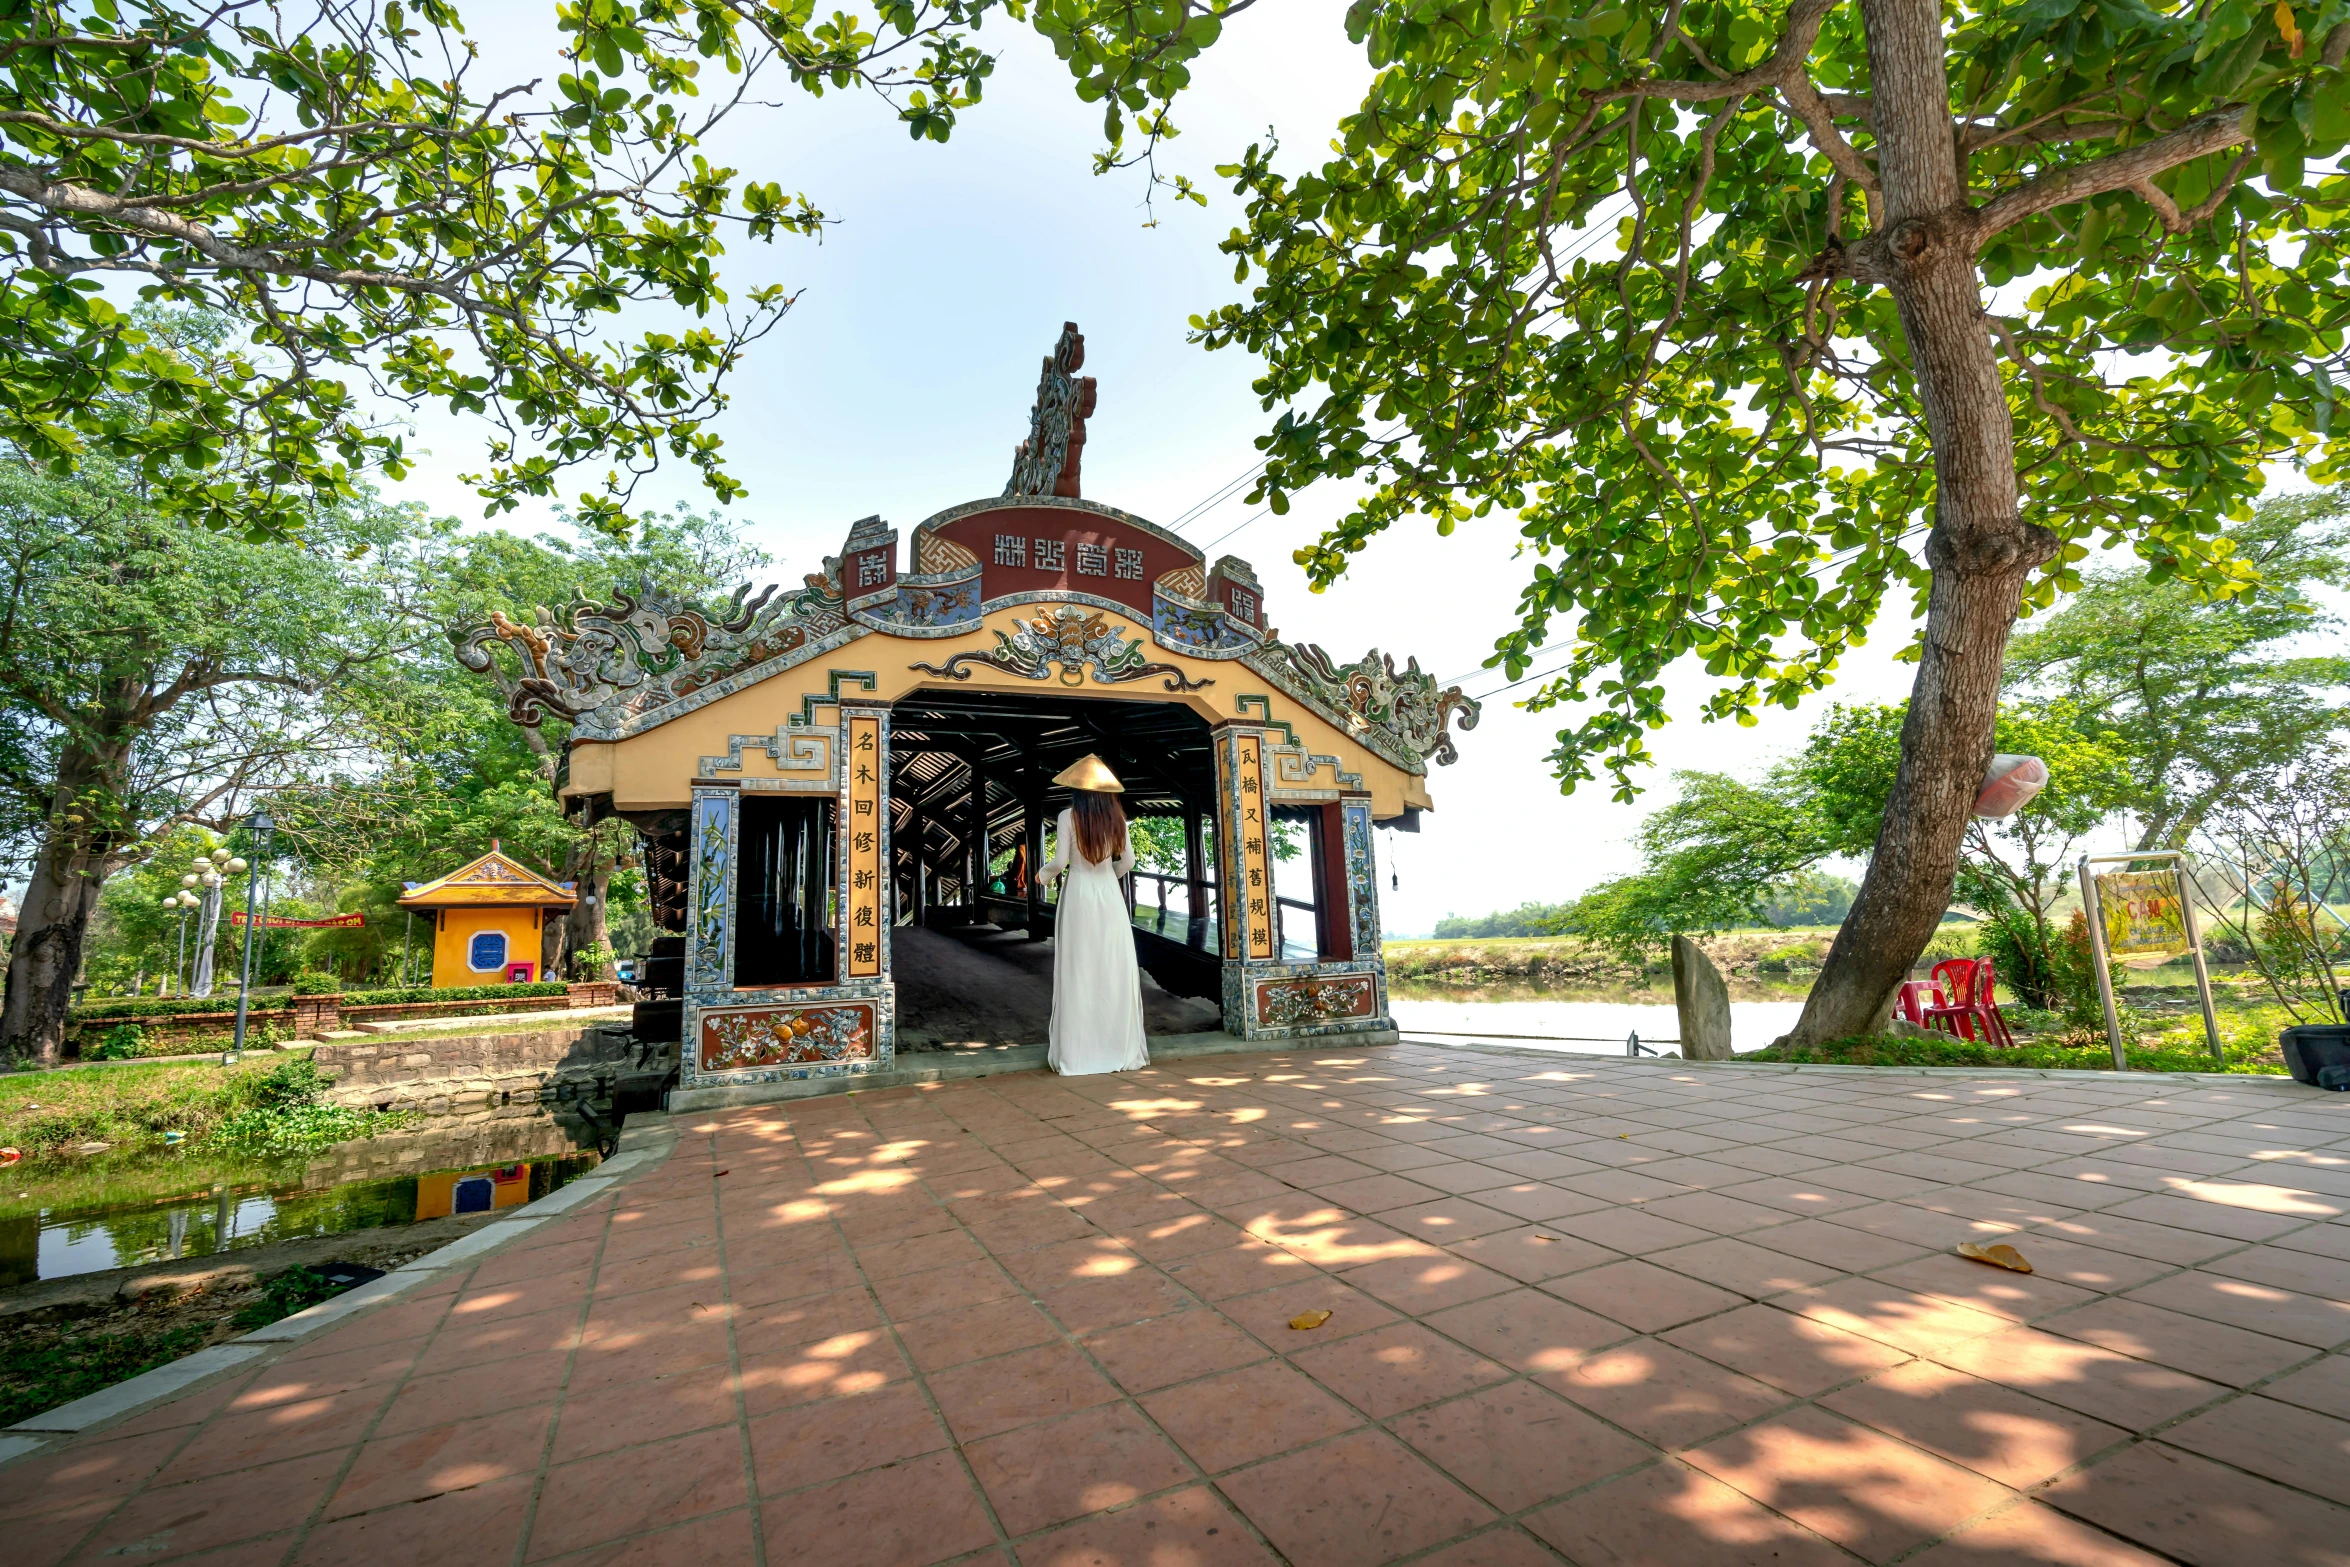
point(1828, 564)
point(1225, 491)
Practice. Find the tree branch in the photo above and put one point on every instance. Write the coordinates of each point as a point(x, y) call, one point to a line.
point(2125, 169)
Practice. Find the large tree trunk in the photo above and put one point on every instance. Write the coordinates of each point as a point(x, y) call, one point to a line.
point(54, 921)
point(1980, 550)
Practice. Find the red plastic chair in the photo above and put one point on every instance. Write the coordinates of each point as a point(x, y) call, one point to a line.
point(1914, 997)
point(1972, 1002)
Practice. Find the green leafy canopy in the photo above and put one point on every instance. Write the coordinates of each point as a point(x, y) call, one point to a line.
point(331, 175)
point(1614, 272)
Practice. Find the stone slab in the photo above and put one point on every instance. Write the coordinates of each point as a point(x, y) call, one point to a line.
point(149, 1387)
point(954, 1065)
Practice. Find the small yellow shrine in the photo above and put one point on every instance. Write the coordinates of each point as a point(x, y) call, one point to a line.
point(489, 917)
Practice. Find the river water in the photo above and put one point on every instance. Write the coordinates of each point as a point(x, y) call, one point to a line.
point(1589, 1027)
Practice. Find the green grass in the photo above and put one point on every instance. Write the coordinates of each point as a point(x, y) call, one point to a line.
point(41, 1369)
point(2168, 1054)
point(55, 1359)
point(256, 1107)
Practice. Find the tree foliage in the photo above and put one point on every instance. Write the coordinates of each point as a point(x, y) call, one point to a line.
point(1724, 850)
point(1613, 274)
point(2206, 698)
point(395, 232)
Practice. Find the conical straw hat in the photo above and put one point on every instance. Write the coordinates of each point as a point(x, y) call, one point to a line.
point(1090, 772)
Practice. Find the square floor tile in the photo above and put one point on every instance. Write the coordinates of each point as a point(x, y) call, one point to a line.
point(1742, 1266)
point(2194, 1510)
point(1838, 1246)
point(2169, 1338)
point(1425, 1283)
point(2324, 1387)
point(1518, 1445)
point(813, 1443)
point(1629, 1230)
point(1358, 1501)
point(1449, 1221)
point(1921, 1324)
point(1662, 1394)
point(1791, 1352)
point(2255, 1307)
point(1099, 1458)
point(1668, 1513)
point(2114, 1388)
point(642, 1488)
point(478, 1527)
point(954, 1338)
point(989, 1396)
point(1186, 1529)
point(1268, 1313)
point(1531, 1253)
point(830, 1368)
point(1870, 1494)
point(443, 1458)
point(2029, 1535)
point(2281, 1442)
point(1996, 1431)
point(1172, 1349)
point(1396, 1368)
point(921, 1511)
point(1249, 1414)
point(1528, 1330)
point(1642, 1295)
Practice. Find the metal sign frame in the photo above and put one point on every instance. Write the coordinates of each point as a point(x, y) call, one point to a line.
point(2095, 912)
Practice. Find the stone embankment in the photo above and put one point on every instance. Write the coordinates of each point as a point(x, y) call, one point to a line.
point(493, 1074)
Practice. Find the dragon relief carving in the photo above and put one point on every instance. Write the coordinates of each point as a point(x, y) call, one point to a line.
point(1077, 640)
point(643, 649)
point(1370, 694)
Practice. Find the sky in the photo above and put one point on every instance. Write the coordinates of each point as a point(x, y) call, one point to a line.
point(901, 380)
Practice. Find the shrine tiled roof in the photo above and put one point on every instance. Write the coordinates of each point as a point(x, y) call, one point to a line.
point(492, 881)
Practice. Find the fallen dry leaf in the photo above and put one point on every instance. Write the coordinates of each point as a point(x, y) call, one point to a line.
point(1306, 1320)
point(2001, 1256)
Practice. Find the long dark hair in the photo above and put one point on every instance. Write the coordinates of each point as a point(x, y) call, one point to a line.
point(1099, 822)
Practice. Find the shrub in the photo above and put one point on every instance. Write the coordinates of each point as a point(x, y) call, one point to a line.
point(417, 993)
point(283, 1294)
point(287, 1112)
point(316, 982)
point(174, 1006)
point(123, 1042)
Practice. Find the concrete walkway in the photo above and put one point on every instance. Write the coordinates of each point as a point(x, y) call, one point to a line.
point(1592, 1312)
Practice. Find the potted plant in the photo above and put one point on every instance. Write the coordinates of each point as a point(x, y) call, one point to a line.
point(2283, 873)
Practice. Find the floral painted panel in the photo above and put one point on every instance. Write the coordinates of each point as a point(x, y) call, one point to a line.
point(1290, 1003)
point(713, 900)
point(1362, 880)
point(739, 1037)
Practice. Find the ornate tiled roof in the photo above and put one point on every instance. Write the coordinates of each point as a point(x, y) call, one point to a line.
point(490, 881)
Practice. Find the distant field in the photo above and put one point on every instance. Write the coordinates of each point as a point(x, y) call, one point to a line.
point(1575, 943)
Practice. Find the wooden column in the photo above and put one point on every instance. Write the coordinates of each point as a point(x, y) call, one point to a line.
point(1032, 798)
point(1195, 874)
point(975, 885)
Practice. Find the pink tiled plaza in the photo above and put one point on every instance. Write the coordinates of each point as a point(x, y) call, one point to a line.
point(1577, 1312)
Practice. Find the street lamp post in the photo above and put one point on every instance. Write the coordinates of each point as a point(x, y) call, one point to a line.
point(185, 901)
point(259, 824)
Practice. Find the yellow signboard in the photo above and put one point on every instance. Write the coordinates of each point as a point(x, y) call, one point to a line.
point(862, 906)
point(2143, 912)
point(1255, 892)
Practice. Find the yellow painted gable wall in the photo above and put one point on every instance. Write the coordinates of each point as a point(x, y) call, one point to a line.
point(655, 770)
point(454, 941)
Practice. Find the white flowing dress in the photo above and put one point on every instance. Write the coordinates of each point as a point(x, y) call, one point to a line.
point(1097, 989)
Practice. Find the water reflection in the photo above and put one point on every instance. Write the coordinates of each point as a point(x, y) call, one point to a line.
point(277, 1206)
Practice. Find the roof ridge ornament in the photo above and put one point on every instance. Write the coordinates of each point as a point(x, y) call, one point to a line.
point(1047, 462)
